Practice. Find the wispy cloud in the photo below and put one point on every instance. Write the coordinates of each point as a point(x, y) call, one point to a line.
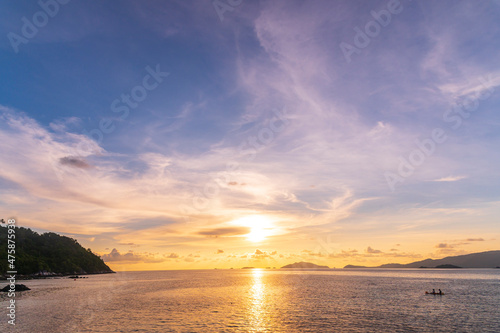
point(474, 240)
point(450, 179)
point(220, 232)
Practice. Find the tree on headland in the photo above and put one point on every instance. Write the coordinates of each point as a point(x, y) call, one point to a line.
point(48, 252)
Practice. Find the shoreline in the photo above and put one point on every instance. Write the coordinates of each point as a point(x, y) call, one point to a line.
point(27, 277)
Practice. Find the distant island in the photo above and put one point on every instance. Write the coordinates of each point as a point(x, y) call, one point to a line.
point(303, 264)
point(489, 259)
point(49, 254)
point(354, 266)
point(444, 266)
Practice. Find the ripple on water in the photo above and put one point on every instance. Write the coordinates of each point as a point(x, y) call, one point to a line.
point(264, 301)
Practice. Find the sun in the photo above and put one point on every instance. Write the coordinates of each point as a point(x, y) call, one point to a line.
point(257, 234)
point(260, 227)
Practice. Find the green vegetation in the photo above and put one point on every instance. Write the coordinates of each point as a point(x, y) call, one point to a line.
point(49, 252)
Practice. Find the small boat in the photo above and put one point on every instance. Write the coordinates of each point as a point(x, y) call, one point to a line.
point(431, 293)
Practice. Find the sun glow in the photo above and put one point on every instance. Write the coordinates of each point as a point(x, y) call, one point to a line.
point(257, 234)
point(260, 227)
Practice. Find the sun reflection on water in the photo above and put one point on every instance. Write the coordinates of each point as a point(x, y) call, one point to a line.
point(257, 303)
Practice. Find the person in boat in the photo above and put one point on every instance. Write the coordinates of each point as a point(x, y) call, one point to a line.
point(433, 291)
point(440, 292)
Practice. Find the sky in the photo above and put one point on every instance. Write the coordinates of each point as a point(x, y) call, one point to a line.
point(231, 133)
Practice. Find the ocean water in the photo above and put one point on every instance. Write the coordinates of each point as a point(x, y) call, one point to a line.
point(378, 300)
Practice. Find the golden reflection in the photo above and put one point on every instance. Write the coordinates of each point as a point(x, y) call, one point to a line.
point(257, 302)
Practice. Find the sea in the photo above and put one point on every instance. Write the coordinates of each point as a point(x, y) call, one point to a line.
point(261, 300)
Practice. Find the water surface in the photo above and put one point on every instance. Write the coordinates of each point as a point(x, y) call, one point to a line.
point(358, 300)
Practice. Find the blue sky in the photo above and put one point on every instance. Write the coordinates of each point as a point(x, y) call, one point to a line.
point(335, 132)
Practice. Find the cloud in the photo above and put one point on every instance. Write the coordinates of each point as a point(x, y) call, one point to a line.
point(236, 183)
point(64, 124)
point(444, 246)
point(344, 254)
point(69, 181)
point(475, 240)
point(405, 255)
point(229, 231)
point(448, 251)
point(459, 243)
point(114, 255)
point(372, 251)
point(450, 179)
point(313, 254)
point(130, 257)
point(258, 255)
point(172, 256)
point(75, 162)
point(220, 251)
